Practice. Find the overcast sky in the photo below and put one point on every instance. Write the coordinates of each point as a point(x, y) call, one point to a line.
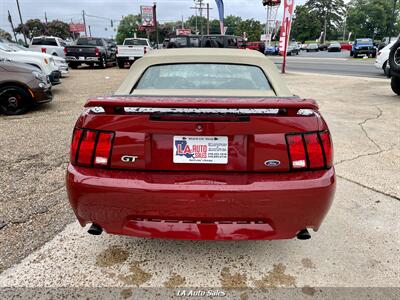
point(168, 10)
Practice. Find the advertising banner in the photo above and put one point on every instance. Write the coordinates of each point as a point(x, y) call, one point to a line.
point(183, 32)
point(286, 24)
point(76, 27)
point(147, 13)
point(221, 10)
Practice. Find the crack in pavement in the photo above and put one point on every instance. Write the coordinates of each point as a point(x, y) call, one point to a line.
point(361, 124)
point(369, 188)
point(367, 154)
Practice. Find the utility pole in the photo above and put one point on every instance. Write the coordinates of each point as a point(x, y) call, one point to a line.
point(84, 21)
point(155, 22)
point(12, 26)
point(90, 31)
point(325, 25)
point(344, 26)
point(45, 17)
point(208, 18)
point(22, 23)
point(199, 7)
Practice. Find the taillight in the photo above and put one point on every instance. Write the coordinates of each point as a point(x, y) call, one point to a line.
point(103, 149)
point(328, 148)
point(97, 51)
point(44, 50)
point(74, 144)
point(314, 150)
point(91, 148)
point(297, 151)
point(311, 151)
point(145, 50)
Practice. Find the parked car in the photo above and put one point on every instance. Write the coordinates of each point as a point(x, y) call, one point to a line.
point(386, 41)
point(312, 47)
point(40, 60)
point(382, 58)
point(272, 50)
point(183, 41)
point(346, 46)
point(323, 47)
point(60, 62)
point(132, 49)
point(334, 47)
point(293, 49)
point(91, 51)
point(363, 47)
point(49, 44)
point(202, 144)
point(394, 67)
point(22, 87)
point(223, 41)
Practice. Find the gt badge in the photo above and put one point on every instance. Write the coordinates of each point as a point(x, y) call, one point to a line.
point(129, 159)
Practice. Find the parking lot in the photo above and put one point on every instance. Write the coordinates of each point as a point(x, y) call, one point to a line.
point(357, 246)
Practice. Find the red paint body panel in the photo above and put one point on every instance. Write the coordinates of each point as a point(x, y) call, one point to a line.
point(186, 205)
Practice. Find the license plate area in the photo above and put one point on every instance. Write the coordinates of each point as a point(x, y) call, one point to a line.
point(81, 58)
point(200, 150)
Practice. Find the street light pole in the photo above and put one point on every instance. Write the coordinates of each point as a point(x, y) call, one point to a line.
point(22, 23)
point(12, 26)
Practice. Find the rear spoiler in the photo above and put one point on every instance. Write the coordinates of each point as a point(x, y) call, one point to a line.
point(112, 102)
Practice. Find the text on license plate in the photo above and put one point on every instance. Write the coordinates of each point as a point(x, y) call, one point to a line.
point(200, 149)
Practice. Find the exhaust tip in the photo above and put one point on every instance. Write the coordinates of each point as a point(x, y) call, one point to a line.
point(304, 235)
point(95, 229)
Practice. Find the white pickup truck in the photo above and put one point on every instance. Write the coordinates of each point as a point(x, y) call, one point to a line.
point(49, 44)
point(131, 50)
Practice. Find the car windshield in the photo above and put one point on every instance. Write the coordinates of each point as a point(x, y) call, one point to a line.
point(135, 42)
point(89, 42)
point(204, 76)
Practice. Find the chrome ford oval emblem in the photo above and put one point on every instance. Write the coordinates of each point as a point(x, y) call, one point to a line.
point(272, 163)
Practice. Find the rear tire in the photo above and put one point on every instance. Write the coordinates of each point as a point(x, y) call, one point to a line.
point(14, 100)
point(355, 55)
point(121, 64)
point(395, 83)
point(102, 63)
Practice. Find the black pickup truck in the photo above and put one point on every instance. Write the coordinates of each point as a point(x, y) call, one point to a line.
point(393, 67)
point(91, 51)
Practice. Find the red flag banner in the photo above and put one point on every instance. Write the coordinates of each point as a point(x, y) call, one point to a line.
point(287, 21)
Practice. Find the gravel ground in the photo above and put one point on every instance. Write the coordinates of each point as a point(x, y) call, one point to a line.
point(357, 246)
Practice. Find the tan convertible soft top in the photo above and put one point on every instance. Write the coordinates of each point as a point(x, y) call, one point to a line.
point(205, 55)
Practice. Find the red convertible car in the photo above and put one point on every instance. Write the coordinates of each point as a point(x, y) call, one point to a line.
point(202, 144)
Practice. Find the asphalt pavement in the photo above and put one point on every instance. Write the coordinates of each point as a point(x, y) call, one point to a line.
point(357, 246)
point(334, 63)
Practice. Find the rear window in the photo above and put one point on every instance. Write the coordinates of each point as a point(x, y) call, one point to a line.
point(45, 42)
point(204, 76)
point(135, 42)
point(89, 42)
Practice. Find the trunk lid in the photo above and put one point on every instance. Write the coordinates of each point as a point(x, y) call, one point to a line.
point(201, 134)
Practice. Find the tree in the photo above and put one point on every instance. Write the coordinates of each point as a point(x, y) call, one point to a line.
point(330, 13)
point(5, 35)
point(58, 28)
point(128, 27)
point(373, 18)
point(232, 22)
point(306, 24)
point(252, 28)
point(32, 28)
point(215, 27)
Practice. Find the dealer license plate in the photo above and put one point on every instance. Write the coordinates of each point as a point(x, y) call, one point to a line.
point(131, 58)
point(200, 149)
point(81, 58)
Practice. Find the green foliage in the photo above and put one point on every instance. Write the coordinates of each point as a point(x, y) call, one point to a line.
point(373, 18)
point(197, 22)
point(128, 27)
point(32, 28)
point(252, 28)
point(58, 28)
point(232, 23)
point(5, 35)
point(306, 24)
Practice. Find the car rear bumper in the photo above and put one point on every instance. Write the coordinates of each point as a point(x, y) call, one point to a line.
point(86, 59)
point(200, 206)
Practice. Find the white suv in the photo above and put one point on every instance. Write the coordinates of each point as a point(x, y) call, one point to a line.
point(383, 56)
